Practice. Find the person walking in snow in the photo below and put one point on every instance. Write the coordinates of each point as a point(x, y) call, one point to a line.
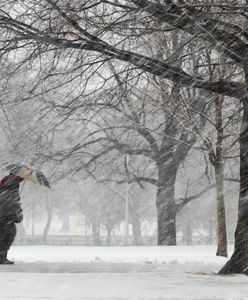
point(10, 213)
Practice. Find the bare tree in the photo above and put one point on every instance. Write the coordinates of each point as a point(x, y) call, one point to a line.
point(71, 29)
point(219, 144)
point(102, 208)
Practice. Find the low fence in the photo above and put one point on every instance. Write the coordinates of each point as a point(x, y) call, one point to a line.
point(76, 240)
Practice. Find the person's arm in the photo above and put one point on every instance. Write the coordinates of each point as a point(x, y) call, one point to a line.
point(18, 214)
point(17, 209)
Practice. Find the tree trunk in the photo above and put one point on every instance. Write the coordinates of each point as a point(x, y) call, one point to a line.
point(136, 226)
point(239, 260)
point(166, 210)
point(221, 216)
point(187, 228)
point(109, 235)
point(96, 233)
point(65, 222)
point(49, 209)
point(219, 177)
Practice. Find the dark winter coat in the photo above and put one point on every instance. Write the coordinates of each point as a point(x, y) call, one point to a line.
point(10, 206)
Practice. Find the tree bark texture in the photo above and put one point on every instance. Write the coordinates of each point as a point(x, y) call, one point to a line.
point(221, 216)
point(136, 227)
point(219, 177)
point(109, 235)
point(96, 232)
point(187, 229)
point(49, 209)
point(166, 209)
point(65, 222)
point(239, 260)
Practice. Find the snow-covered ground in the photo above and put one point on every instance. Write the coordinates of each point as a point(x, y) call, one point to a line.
point(146, 254)
point(123, 273)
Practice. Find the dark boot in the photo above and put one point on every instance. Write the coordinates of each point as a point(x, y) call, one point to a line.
point(3, 258)
point(8, 262)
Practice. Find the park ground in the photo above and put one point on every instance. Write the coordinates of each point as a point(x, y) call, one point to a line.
point(118, 273)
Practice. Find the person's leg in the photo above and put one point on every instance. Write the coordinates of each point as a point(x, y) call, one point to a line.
point(7, 236)
point(2, 238)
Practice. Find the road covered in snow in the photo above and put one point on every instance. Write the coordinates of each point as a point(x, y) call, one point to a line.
point(118, 273)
